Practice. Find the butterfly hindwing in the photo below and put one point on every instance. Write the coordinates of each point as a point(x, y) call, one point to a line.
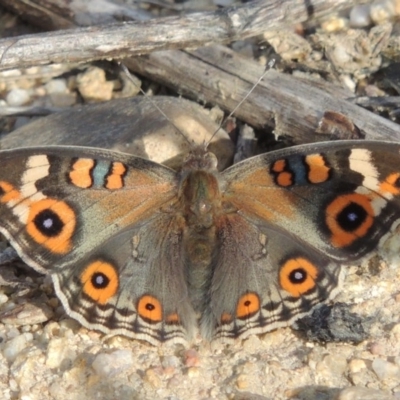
point(134, 284)
point(264, 279)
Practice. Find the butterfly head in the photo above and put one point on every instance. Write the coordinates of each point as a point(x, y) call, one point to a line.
point(199, 158)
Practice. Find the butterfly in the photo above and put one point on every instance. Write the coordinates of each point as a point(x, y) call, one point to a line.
point(137, 249)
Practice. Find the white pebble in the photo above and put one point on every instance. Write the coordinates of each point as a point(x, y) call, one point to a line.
point(223, 3)
point(360, 16)
point(13, 332)
point(14, 346)
point(171, 361)
point(362, 393)
point(385, 369)
point(56, 86)
point(382, 11)
point(58, 352)
point(3, 298)
point(18, 97)
point(341, 55)
point(107, 365)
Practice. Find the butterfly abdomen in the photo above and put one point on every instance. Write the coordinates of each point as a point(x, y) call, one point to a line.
point(201, 199)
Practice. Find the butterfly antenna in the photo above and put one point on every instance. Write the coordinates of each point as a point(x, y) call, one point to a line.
point(149, 98)
point(270, 65)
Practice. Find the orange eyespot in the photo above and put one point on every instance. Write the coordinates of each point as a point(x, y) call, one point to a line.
point(297, 276)
point(349, 217)
point(51, 223)
point(247, 305)
point(149, 308)
point(100, 281)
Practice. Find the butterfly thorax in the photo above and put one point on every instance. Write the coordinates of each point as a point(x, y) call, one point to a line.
point(200, 194)
point(201, 199)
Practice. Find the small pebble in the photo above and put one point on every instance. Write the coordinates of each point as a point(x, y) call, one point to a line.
point(377, 349)
point(3, 298)
point(153, 378)
point(242, 382)
point(385, 369)
point(362, 393)
point(332, 364)
point(13, 332)
point(191, 358)
point(193, 372)
point(56, 86)
point(28, 314)
point(360, 16)
point(356, 365)
point(171, 361)
point(382, 11)
point(107, 365)
point(223, 3)
point(334, 24)
point(396, 331)
point(15, 346)
point(57, 352)
point(93, 86)
point(18, 97)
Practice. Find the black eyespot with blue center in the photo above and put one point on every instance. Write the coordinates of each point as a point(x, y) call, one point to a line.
point(48, 223)
point(351, 217)
point(100, 280)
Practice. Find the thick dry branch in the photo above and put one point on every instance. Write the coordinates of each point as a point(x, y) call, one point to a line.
point(61, 14)
point(135, 38)
point(291, 105)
